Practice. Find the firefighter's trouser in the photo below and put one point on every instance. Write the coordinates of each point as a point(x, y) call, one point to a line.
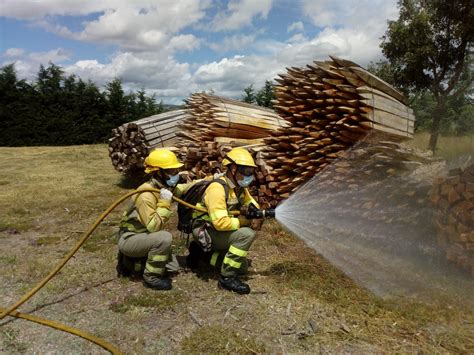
point(233, 245)
point(156, 247)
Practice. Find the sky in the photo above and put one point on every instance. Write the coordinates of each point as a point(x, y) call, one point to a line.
point(172, 48)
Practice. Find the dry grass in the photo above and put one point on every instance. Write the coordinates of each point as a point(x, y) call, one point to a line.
point(299, 302)
point(449, 147)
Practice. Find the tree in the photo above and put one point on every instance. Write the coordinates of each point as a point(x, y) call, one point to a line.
point(249, 95)
point(265, 95)
point(428, 47)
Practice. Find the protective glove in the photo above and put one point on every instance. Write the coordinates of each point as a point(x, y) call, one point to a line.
point(243, 221)
point(218, 175)
point(166, 195)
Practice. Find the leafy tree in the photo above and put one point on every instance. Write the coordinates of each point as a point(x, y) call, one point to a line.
point(265, 95)
point(428, 47)
point(249, 95)
point(262, 97)
point(61, 110)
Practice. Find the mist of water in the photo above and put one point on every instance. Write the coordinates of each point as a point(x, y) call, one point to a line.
point(379, 232)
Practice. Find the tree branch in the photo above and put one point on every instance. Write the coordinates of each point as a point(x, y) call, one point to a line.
point(458, 69)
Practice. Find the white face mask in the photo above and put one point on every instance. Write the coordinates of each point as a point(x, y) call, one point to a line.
point(246, 181)
point(173, 180)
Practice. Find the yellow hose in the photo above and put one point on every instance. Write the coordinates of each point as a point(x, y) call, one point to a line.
point(85, 236)
point(68, 329)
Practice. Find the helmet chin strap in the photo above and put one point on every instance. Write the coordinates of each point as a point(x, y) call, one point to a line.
point(231, 173)
point(160, 178)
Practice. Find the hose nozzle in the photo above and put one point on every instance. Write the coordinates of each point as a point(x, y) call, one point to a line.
point(252, 212)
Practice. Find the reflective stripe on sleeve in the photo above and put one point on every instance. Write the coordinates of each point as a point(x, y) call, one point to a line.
point(235, 223)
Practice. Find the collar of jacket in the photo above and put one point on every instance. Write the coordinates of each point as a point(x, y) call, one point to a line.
point(156, 183)
point(229, 182)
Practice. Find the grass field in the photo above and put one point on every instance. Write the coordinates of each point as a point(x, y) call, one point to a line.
point(449, 147)
point(299, 304)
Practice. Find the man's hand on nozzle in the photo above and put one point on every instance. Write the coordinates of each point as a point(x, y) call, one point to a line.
point(165, 194)
point(244, 210)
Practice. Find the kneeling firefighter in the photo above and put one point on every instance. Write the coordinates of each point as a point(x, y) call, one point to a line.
point(229, 237)
point(142, 231)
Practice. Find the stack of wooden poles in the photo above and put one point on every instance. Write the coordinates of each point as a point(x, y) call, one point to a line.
point(329, 106)
point(217, 125)
point(131, 142)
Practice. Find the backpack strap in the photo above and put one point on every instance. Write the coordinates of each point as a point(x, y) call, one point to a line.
point(226, 191)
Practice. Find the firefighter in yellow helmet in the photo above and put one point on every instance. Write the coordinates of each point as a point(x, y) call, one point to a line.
point(231, 236)
point(142, 231)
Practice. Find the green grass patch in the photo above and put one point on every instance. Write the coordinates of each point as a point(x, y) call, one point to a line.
point(162, 301)
point(10, 341)
point(99, 243)
point(214, 339)
point(48, 240)
point(449, 147)
point(316, 278)
point(8, 259)
point(15, 226)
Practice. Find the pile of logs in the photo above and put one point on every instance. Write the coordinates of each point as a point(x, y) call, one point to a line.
point(131, 142)
point(217, 119)
point(216, 126)
point(453, 198)
point(330, 106)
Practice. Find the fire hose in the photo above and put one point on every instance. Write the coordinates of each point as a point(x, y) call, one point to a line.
point(111, 348)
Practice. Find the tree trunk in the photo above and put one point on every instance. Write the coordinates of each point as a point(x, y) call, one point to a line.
point(437, 116)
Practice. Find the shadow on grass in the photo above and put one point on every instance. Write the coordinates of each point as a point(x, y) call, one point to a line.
point(132, 181)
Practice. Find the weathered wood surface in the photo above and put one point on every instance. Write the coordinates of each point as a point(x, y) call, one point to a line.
point(131, 142)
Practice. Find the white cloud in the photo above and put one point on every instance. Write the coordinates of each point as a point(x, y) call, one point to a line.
point(296, 26)
point(14, 52)
point(297, 38)
point(233, 43)
point(138, 27)
point(240, 13)
point(132, 25)
point(56, 56)
point(158, 73)
point(34, 9)
point(353, 27)
point(27, 63)
point(184, 43)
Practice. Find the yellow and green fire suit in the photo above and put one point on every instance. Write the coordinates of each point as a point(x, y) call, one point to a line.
point(231, 236)
point(142, 231)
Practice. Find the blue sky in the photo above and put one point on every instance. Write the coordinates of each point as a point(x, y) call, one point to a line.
point(175, 47)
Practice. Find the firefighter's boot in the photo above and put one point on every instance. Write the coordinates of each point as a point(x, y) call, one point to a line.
point(157, 282)
point(234, 284)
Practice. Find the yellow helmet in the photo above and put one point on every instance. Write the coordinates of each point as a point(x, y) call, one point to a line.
point(161, 159)
point(239, 156)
